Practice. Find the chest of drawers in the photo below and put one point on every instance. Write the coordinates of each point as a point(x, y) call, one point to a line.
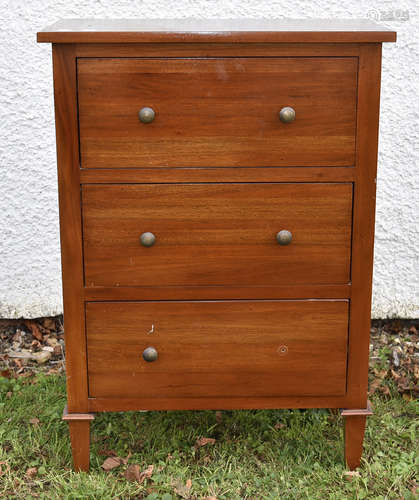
point(217, 196)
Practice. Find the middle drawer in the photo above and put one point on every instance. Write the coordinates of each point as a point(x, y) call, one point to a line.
point(216, 234)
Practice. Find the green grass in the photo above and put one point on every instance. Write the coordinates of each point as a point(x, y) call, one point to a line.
point(251, 459)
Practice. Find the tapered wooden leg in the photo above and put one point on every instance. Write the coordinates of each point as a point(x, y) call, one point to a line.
point(355, 421)
point(354, 439)
point(79, 425)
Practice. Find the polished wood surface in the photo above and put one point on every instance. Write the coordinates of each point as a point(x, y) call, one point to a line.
point(217, 175)
point(216, 234)
point(218, 403)
point(354, 430)
point(216, 50)
point(214, 349)
point(217, 112)
point(79, 427)
point(66, 128)
point(364, 222)
point(80, 443)
point(164, 175)
point(218, 292)
point(214, 30)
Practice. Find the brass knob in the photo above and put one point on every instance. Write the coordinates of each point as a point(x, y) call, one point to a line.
point(284, 237)
point(146, 115)
point(150, 354)
point(147, 239)
point(287, 115)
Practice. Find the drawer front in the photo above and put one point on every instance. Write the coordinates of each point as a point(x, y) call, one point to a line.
point(217, 234)
point(217, 112)
point(217, 349)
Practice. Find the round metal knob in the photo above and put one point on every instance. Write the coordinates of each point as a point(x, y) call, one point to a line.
point(287, 115)
point(147, 239)
point(284, 237)
point(146, 115)
point(150, 354)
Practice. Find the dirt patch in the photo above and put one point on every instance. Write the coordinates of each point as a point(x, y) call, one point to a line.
point(31, 346)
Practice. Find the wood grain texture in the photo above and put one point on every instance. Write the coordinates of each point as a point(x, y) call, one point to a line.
point(354, 438)
point(218, 403)
point(363, 222)
point(218, 292)
point(217, 349)
point(216, 50)
point(215, 176)
point(80, 444)
point(79, 427)
point(65, 95)
point(217, 234)
point(214, 30)
point(209, 174)
point(217, 112)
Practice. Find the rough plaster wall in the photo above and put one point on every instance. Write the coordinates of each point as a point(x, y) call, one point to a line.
point(30, 283)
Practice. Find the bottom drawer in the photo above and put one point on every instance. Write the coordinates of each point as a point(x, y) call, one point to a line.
point(217, 348)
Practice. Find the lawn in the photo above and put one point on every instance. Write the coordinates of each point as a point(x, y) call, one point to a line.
point(277, 454)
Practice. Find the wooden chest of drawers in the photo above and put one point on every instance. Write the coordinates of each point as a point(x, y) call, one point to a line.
point(217, 195)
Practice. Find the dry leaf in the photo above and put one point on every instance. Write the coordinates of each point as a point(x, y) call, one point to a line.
point(385, 390)
point(133, 473)
point(374, 386)
point(57, 350)
point(33, 327)
point(34, 421)
point(202, 441)
point(31, 472)
point(210, 498)
point(49, 323)
point(147, 473)
point(110, 463)
point(183, 490)
point(381, 374)
point(279, 425)
point(17, 362)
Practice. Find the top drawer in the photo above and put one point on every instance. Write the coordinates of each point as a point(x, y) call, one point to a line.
point(217, 112)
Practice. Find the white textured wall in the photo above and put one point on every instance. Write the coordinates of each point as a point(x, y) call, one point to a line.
point(30, 282)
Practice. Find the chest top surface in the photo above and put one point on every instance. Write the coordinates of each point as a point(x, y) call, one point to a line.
point(215, 30)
